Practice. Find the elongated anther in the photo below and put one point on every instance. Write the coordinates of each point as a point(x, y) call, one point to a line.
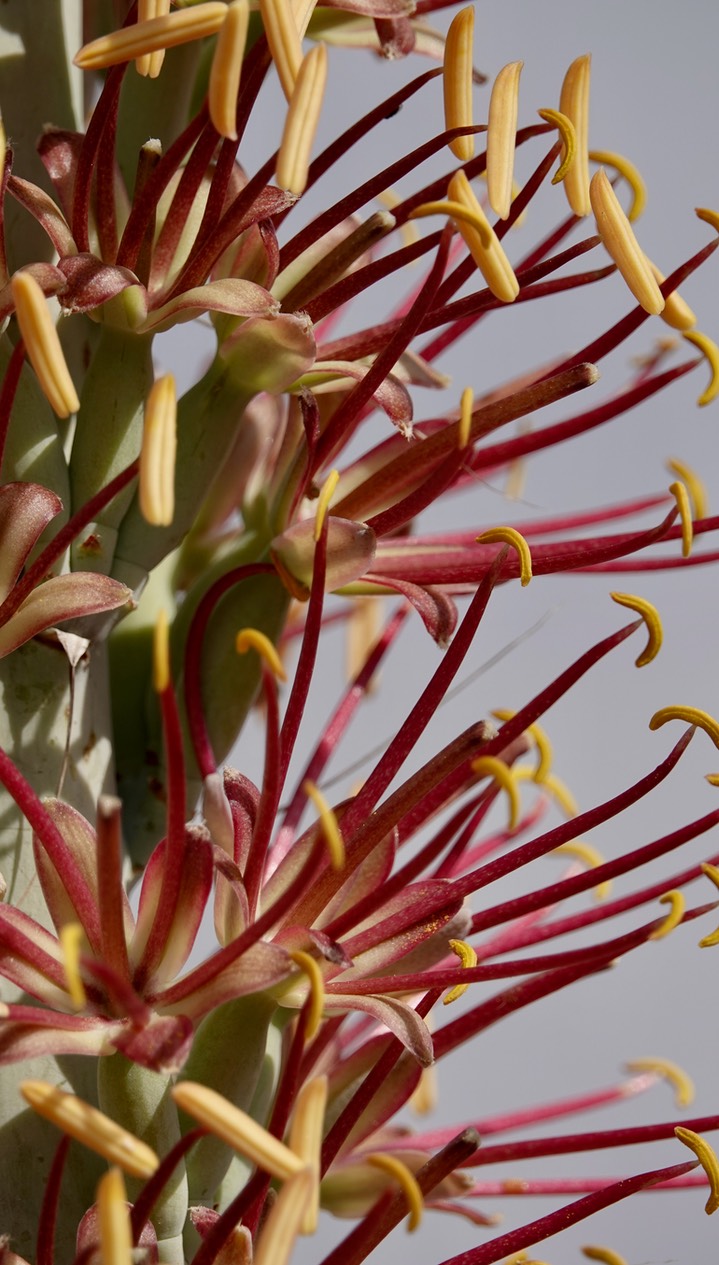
point(161, 675)
point(561, 794)
point(484, 247)
point(592, 858)
point(466, 404)
point(694, 486)
point(712, 872)
point(156, 491)
point(305, 1139)
point(681, 496)
point(627, 170)
point(677, 314)
point(328, 822)
point(284, 40)
point(710, 349)
point(568, 136)
point(303, 115)
point(501, 138)
point(606, 1255)
point(226, 69)
point(150, 64)
point(691, 715)
point(312, 970)
point(490, 766)
point(324, 499)
point(253, 639)
point(71, 938)
point(708, 1160)
point(179, 27)
point(510, 536)
point(113, 1215)
point(457, 211)
point(650, 615)
point(93, 1128)
point(468, 957)
point(42, 344)
point(457, 81)
point(280, 1230)
point(237, 1129)
point(574, 103)
point(620, 243)
point(539, 738)
point(680, 1081)
point(708, 216)
point(407, 1182)
point(302, 11)
point(675, 899)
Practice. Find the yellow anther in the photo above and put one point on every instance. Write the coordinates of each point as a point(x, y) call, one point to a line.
point(694, 485)
point(406, 1180)
point(620, 243)
point(161, 675)
point(328, 822)
point(306, 1131)
point(301, 121)
point(677, 314)
point(681, 497)
point(574, 104)
point(93, 1128)
point(676, 900)
point(468, 957)
point(179, 27)
point(280, 1230)
point(150, 64)
point(312, 970)
point(71, 938)
point(302, 11)
point(253, 639)
point(708, 216)
point(157, 456)
point(708, 1160)
point(692, 716)
point(680, 1081)
point(501, 137)
point(605, 1254)
point(283, 38)
point(484, 246)
point(43, 345)
point(466, 404)
point(565, 127)
point(592, 858)
point(709, 349)
point(561, 794)
point(457, 81)
point(650, 615)
point(510, 536)
point(227, 68)
point(425, 1096)
point(490, 766)
point(113, 1216)
point(237, 1129)
point(712, 872)
point(459, 213)
point(626, 169)
point(327, 491)
point(539, 738)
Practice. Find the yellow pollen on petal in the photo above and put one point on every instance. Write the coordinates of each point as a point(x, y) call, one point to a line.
point(161, 654)
point(694, 485)
point(568, 136)
point(42, 344)
point(606, 1255)
point(592, 858)
point(305, 1139)
point(501, 137)
point(709, 349)
point(253, 639)
point(457, 81)
point(237, 1129)
point(327, 491)
point(466, 404)
point(622, 246)
point(539, 738)
point(156, 492)
point(484, 247)
point(490, 766)
point(708, 216)
point(650, 615)
point(312, 970)
point(468, 957)
point(279, 1232)
point(457, 211)
point(93, 1128)
point(574, 104)
point(627, 170)
point(179, 27)
point(284, 41)
point(226, 69)
point(681, 497)
point(680, 1081)
point(406, 1180)
point(676, 900)
point(510, 536)
point(71, 938)
point(301, 121)
point(328, 822)
point(677, 314)
point(708, 1160)
point(113, 1216)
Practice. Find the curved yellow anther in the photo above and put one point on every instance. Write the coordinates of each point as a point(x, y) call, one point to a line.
point(467, 957)
point(457, 81)
point(305, 1138)
point(694, 485)
point(592, 858)
point(501, 137)
point(178, 27)
point(561, 794)
point(284, 41)
point(466, 404)
point(676, 313)
point(708, 216)
point(604, 1254)
point(626, 169)
point(327, 491)
point(226, 69)
point(620, 243)
point(237, 1129)
point(484, 246)
point(312, 970)
point(680, 1081)
point(692, 716)
point(329, 824)
point(490, 766)
point(161, 654)
point(253, 639)
point(708, 1160)
point(156, 491)
point(675, 899)
point(539, 738)
point(650, 615)
point(712, 872)
point(303, 116)
point(406, 1180)
point(42, 344)
point(681, 497)
point(113, 1216)
point(510, 536)
point(457, 211)
point(71, 937)
point(574, 104)
point(93, 1128)
point(568, 136)
point(709, 349)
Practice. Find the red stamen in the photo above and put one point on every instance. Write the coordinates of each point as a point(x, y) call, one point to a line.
point(9, 388)
point(45, 1251)
point(110, 891)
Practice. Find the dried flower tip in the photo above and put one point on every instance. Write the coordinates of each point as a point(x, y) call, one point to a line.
point(708, 216)
point(681, 497)
point(501, 137)
point(605, 1254)
point(43, 345)
point(680, 1081)
point(278, 1234)
point(468, 957)
point(226, 69)
point(621, 244)
point(305, 1138)
point(677, 314)
point(179, 27)
point(252, 639)
point(303, 115)
point(328, 822)
point(491, 766)
point(574, 103)
point(161, 654)
point(113, 1215)
point(676, 900)
point(91, 1127)
point(312, 970)
point(510, 536)
point(465, 418)
point(458, 212)
point(711, 351)
point(327, 491)
point(284, 40)
point(407, 1182)
point(150, 64)
point(540, 739)
point(457, 81)
point(592, 858)
point(157, 456)
point(708, 1160)
point(695, 487)
point(484, 247)
point(237, 1129)
point(650, 615)
point(692, 716)
point(628, 172)
point(71, 938)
